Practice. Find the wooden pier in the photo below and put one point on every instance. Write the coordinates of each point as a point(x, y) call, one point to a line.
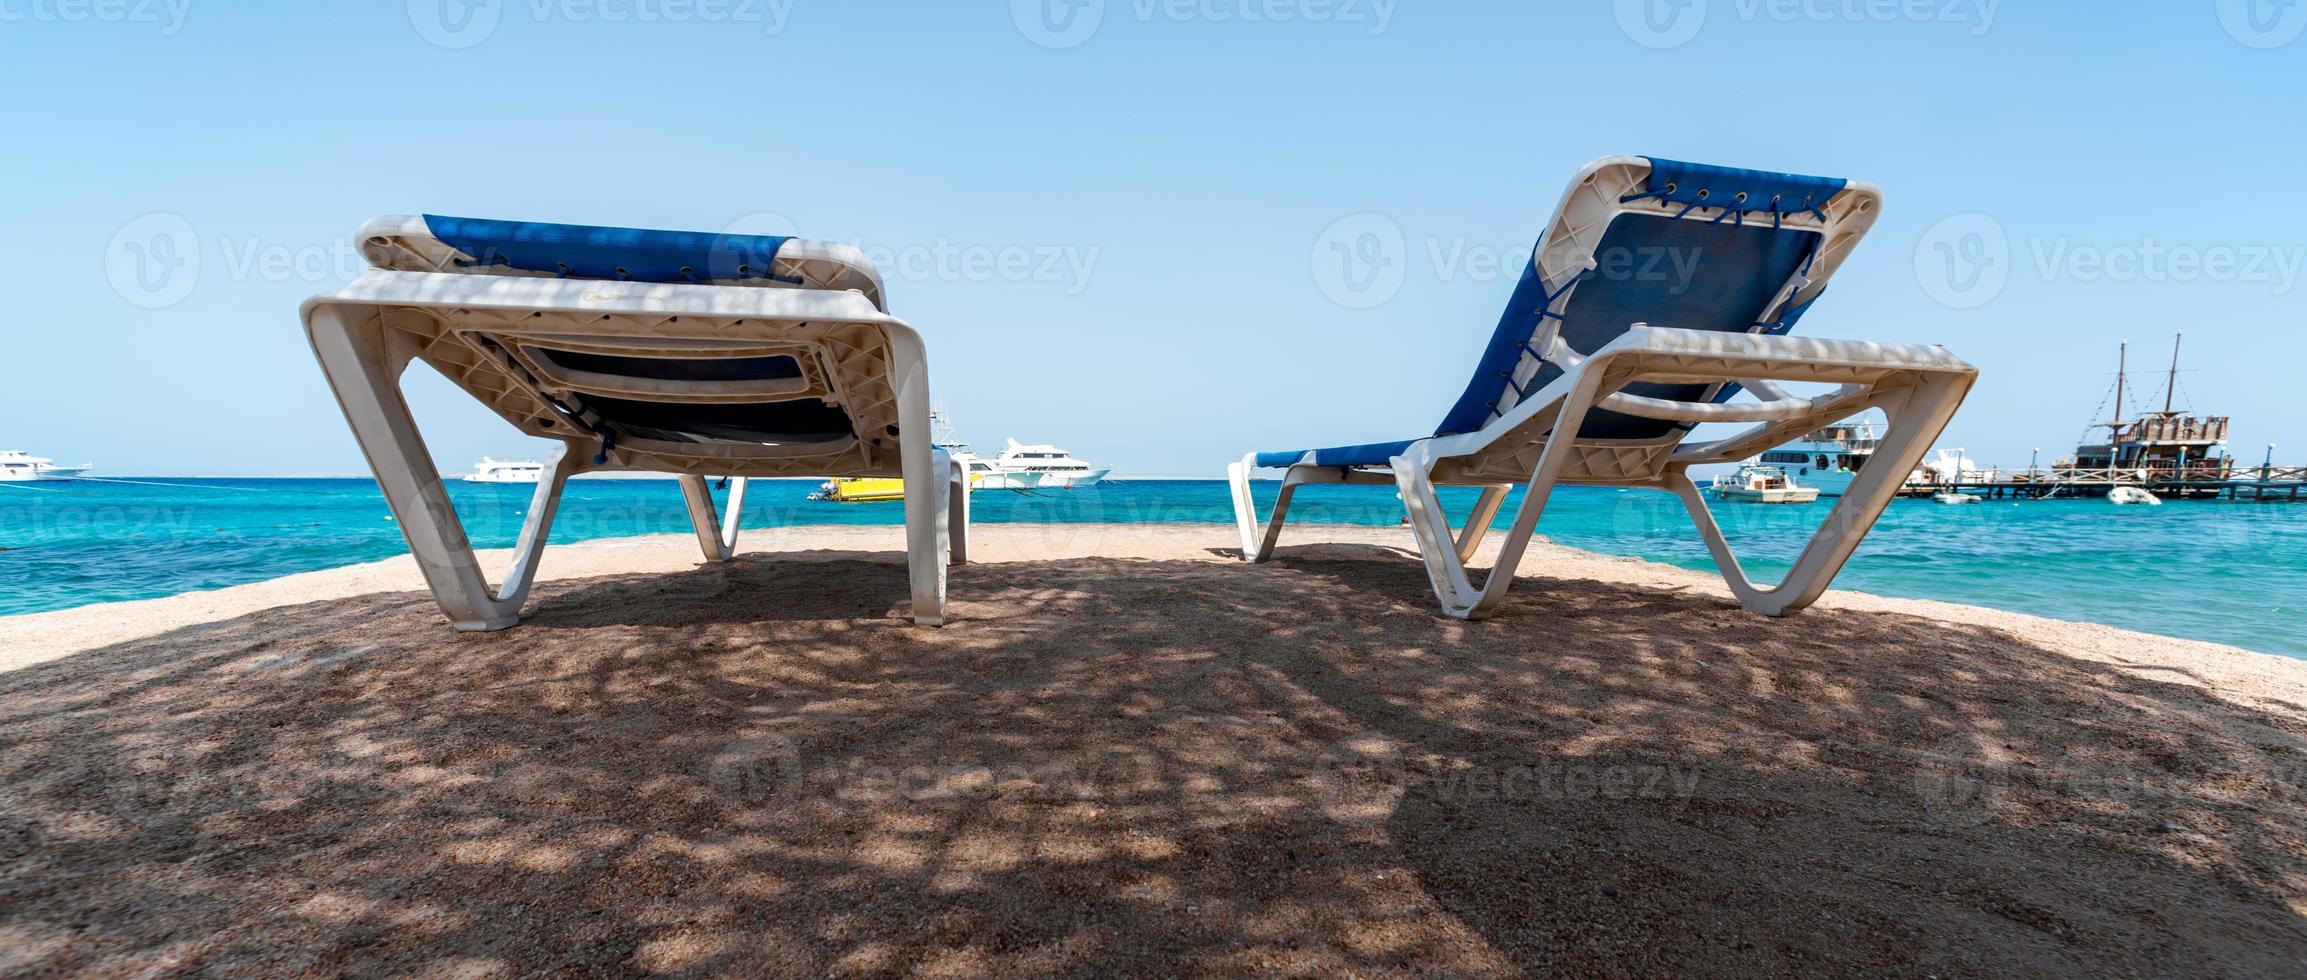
point(2264, 483)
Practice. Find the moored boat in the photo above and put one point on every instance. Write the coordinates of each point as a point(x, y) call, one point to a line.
point(493, 470)
point(879, 489)
point(1829, 458)
point(861, 490)
point(1756, 484)
point(17, 466)
point(1019, 467)
point(1023, 467)
point(2178, 451)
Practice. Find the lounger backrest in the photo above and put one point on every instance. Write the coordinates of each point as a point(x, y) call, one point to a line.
point(670, 389)
point(481, 246)
point(1669, 244)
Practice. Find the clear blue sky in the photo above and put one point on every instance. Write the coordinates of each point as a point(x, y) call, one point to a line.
point(1159, 179)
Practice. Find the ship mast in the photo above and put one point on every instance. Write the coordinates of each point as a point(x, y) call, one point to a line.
point(2171, 386)
point(2122, 367)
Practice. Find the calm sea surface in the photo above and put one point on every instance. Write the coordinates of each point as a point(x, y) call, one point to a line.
point(2230, 572)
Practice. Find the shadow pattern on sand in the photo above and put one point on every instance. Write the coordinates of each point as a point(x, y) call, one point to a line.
point(1133, 767)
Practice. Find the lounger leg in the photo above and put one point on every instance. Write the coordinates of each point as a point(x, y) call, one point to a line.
point(1254, 547)
point(957, 513)
point(926, 484)
point(364, 363)
point(1246, 508)
point(1444, 565)
point(716, 534)
point(1914, 425)
point(514, 593)
point(1478, 523)
point(1444, 568)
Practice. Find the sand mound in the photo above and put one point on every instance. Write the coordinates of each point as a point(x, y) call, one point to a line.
point(1149, 766)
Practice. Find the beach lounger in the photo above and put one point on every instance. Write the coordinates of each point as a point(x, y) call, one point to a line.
point(1660, 290)
point(698, 355)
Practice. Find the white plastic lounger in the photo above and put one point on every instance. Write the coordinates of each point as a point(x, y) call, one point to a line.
point(1660, 290)
point(698, 355)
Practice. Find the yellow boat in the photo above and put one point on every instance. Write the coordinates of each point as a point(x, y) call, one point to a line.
point(860, 491)
point(869, 490)
point(881, 489)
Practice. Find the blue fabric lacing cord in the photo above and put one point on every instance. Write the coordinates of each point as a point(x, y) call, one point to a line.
point(1544, 312)
point(1737, 215)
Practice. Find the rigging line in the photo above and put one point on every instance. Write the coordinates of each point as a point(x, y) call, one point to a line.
point(179, 486)
point(2099, 413)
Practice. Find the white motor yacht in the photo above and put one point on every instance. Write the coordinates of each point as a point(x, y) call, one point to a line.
point(1829, 458)
point(17, 466)
point(493, 470)
point(1023, 467)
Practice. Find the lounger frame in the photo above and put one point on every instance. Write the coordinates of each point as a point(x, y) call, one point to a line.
point(1917, 387)
point(474, 326)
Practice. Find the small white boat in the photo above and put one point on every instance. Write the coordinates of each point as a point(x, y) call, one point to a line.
point(1757, 484)
point(1023, 467)
point(1956, 497)
point(16, 466)
point(2133, 495)
point(493, 470)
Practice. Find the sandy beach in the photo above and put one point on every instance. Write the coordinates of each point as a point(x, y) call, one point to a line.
point(1130, 754)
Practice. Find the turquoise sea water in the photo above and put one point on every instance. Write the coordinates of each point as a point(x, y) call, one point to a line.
point(2229, 572)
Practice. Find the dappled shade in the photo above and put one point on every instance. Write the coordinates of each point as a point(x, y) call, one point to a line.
point(1141, 767)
